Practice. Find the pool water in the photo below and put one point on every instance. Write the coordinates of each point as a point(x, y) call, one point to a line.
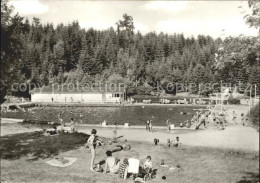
point(134, 115)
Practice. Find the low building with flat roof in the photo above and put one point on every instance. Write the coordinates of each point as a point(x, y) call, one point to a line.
point(66, 94)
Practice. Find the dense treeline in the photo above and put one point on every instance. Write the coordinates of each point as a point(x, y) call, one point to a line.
point(44, 54)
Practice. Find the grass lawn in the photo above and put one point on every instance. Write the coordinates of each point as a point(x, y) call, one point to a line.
point(39, 146)
point(199, 164)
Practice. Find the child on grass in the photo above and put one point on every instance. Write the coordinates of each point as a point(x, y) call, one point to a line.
point(176, 143)
point(148, 163)
point(123, 169)
point(111, 165)
point(147, 168)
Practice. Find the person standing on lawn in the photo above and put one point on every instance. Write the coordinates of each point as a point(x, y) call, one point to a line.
point(92, 144)
point(150, 126)
point(168, 123)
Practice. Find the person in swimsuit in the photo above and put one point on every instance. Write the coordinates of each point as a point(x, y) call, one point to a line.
point(61, 120)
point(202, 120)
point(80, 118)
point(150, 126)
point(91, 143)
point(168, 123)
point(207, 117)
point(193, 119)
point(147, 124)
point(234, 117)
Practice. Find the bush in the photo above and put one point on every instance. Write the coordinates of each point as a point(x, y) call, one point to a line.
point(254, 116)
point(139, 90)
point(144, 90)
point(232, 101)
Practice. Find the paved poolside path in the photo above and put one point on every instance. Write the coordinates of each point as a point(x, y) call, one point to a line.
point(233, 137)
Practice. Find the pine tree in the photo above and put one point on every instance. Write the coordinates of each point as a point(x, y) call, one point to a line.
point(87, 63)
point(110, 54)
point(198, 74)
point(166, 47)
point(159, 52)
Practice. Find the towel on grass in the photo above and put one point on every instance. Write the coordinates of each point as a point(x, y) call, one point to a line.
point(62, 162)
point(133, 165)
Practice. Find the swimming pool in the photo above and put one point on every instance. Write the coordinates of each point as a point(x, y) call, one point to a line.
point(134, 115)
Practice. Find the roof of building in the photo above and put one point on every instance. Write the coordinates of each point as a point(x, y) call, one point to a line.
point(79, 89)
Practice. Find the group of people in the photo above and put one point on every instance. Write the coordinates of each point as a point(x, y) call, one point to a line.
point(244, 119)
point(174, 143)
point(62, 128)
point(65, 99)
point(205, 118)
point(113, 165)
point(73, 124)
point(218, 119)
point(200, 118)
point(171, 126)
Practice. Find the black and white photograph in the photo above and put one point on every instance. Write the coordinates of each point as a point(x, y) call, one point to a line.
point(102, 91)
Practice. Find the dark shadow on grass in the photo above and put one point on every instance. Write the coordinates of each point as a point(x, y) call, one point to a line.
point(36, 145)
point(102, 162)
point(250, 177)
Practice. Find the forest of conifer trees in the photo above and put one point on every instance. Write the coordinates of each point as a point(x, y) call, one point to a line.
point(32, 52)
